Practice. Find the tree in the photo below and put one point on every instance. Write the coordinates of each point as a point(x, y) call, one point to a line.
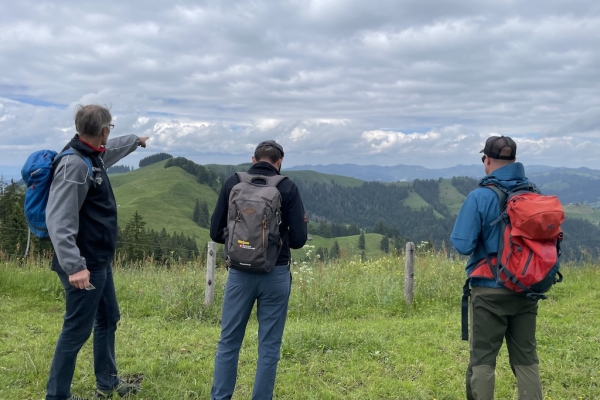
point(335, 250)
point(137, 242)
point(200, 214)
point(196, 213)
point(154, 158)
point(385, 244)
point(13, 227)
point(3, 184)
point(322, 253)
point(14, 239)
point(399, 243)
point(361, 241)
point(204, 220)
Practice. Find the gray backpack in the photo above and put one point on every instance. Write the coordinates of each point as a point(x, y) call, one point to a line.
point(252, 237)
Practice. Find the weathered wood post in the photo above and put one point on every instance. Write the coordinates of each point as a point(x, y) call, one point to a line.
point(409, 273)
point(211, 258)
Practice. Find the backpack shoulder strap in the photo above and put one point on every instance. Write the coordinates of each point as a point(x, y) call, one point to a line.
point(88, 162)
point(502, 194)
point(243, 176)
point(275, 179)
point(269, 180)
point(528, 187)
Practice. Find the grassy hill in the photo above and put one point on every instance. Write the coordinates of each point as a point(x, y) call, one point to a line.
point(164, 197)
point(317, 177)
point(306, 176)
point(451, 197)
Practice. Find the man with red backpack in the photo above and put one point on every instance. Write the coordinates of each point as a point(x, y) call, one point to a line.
point(503, 304)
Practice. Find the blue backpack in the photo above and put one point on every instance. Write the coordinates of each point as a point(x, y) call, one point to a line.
point(37, 174)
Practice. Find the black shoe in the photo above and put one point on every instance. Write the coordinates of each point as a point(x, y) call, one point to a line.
point(123, 389)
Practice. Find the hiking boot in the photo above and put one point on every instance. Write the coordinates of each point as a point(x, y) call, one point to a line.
point(124, 389)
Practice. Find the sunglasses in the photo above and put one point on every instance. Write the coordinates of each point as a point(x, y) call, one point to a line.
point(483, 157)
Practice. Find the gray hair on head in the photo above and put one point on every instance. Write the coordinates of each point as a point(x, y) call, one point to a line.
point(90, 119)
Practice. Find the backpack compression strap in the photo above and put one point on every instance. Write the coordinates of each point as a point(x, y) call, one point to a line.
point(464, 315)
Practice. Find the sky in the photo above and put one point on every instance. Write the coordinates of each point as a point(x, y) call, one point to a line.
point(334, 81)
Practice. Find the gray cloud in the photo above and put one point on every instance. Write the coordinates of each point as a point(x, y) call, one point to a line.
point(334, 81)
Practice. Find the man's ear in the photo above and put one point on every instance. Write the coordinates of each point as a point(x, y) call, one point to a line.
point(253, 160)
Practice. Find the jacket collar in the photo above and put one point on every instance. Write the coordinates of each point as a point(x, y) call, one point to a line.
point(101, 149)
point(263, 167)
point(509, 176)
point(83, 147)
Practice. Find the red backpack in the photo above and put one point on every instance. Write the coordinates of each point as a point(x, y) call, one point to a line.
point(530, 236)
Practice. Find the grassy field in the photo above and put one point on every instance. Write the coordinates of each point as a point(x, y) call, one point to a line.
point(451, 197)
point(348, 246)
point(582, 211)
point(164, 197)
point(349, 334)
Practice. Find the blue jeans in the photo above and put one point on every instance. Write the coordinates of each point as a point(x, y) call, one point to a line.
point(86, 309)
point(271, 291)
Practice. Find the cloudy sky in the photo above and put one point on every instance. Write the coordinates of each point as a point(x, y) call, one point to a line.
point(335, 81)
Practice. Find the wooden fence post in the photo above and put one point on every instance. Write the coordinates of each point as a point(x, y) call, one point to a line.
point(211, 258)
point(409, 273)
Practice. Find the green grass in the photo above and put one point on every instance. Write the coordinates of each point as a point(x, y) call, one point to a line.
point(451, 197)
point(416, 202)
point(348, 246)
point(349, 334)
point(582, 211)
point(164, 197)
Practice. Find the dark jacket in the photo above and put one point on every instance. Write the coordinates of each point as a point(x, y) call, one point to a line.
point(478, 211)
point(293, 226)
point(81, 214)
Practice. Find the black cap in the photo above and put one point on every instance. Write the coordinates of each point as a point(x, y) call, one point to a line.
point(500, 148)
point(270, 143)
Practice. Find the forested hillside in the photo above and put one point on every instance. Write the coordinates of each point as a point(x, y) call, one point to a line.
point(174, 198)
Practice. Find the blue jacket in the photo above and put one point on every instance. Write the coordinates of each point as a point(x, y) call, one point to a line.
point(478, 211)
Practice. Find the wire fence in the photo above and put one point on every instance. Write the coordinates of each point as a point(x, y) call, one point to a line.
point(147, 247)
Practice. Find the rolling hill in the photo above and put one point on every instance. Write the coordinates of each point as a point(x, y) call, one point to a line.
point(165, 198)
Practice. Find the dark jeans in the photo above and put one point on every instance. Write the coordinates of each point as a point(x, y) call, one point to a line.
point(271, 291)
point(86, 309)
point(496, 315)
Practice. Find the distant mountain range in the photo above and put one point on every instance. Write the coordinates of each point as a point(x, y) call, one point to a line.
point(402, 172)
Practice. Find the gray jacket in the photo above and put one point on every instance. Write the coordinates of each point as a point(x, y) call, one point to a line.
point(81, 213)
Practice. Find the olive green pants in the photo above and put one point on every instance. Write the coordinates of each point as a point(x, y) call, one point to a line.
point(497, 314)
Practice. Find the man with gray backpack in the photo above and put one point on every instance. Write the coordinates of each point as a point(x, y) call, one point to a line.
point(259, 216)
